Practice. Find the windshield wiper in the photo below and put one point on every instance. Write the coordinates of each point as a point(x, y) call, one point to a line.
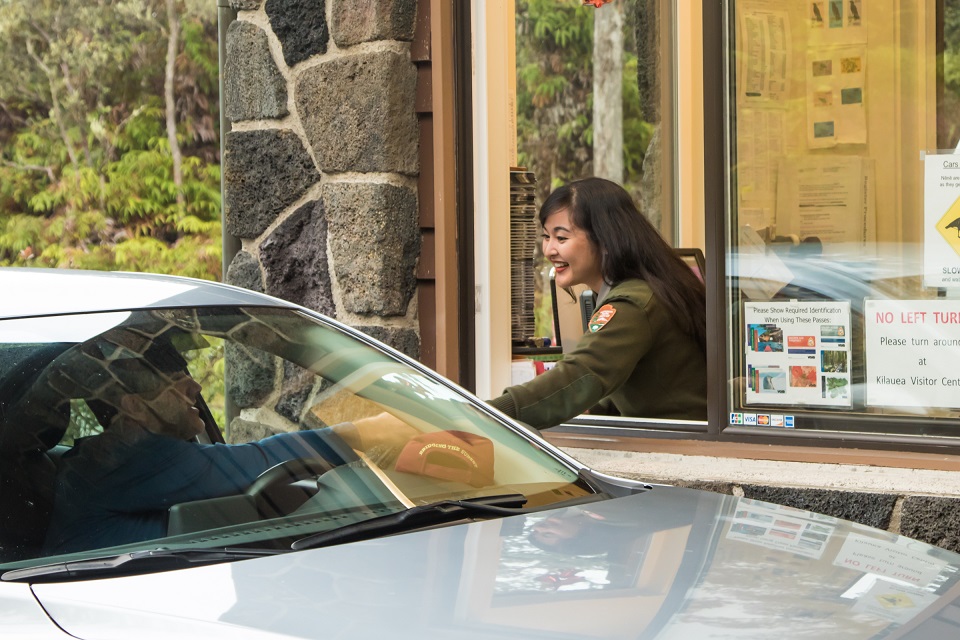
point(124, 562)
point(415, 517)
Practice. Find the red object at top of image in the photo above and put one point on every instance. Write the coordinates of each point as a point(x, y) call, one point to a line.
point(596, 3)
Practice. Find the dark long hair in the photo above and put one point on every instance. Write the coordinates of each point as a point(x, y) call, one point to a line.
point(630, 247)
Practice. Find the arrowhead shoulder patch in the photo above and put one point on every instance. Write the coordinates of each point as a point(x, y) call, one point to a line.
point(601, 317)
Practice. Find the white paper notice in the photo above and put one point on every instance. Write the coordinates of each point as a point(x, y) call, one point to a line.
point(780, 528)
point(941, 220)
point(522, 371)
point(797, 353)
point(765, 54)
point(828, 198)
point(911, 348)
point(835, 97)
point(760, 147)
point(894, 560)
point(894, 602)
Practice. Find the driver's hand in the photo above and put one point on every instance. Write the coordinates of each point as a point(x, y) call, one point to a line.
point(380, 437)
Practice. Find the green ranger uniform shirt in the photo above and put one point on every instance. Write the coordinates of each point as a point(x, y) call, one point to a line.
point(633, 357)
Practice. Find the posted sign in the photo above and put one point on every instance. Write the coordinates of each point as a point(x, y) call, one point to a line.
point(797, 353)
point(911, 348)
point(894, 560)
point(941, 220)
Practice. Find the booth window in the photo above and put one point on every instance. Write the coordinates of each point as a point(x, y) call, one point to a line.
point(843, 216)
point(596, 92)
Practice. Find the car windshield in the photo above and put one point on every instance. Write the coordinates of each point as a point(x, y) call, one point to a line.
point(230, 427)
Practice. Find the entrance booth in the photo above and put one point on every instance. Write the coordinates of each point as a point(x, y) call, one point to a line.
point(809, 149)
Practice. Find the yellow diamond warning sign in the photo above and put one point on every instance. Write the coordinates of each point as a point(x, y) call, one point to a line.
point(895, 600)
point(941, 220)
point(949, 226)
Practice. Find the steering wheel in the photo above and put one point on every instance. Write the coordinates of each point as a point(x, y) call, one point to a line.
point(274, 492)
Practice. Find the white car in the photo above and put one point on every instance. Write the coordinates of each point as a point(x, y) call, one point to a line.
point(184, 459)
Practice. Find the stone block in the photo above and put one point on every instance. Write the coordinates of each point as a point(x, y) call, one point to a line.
point(358, 113)
point(264, 172)
point(294, 392)
point(242, 431)
point(250, 376)
point(871, 509)
point(300, 26)
point(375, 242)
point(932, 519)
point(253, 87)
point(244, 271)
point(356, 21)
point(406, 341)
point(294, 257)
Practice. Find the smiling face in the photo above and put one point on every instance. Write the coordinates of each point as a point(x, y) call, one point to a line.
point(574, 256)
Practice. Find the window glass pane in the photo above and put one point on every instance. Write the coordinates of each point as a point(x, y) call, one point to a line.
point(594, 105)
point(843, 244)
point(595, 97)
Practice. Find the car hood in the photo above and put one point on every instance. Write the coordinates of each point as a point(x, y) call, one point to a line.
point(668, 563)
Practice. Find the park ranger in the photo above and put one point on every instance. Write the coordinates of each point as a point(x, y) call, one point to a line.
point(643, 354)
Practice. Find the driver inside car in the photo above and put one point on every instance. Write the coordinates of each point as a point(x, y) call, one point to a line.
point(116, 487)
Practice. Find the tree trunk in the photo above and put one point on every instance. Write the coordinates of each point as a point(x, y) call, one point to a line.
point(608, 92)
point(72, 92)
point(55, 109)
point(173, 24)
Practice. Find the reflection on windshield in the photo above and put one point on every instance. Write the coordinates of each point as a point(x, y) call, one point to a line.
point(422, 387)
point(128, 413)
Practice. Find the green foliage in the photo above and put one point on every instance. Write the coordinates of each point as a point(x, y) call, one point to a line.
point(83, 423)
point(636, 131)
point(555, 103)
point(86, 172)
point(554, 83)
point(206, 366)
point(949, 108)
point(555, 94)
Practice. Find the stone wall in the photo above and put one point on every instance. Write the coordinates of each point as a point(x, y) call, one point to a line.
point(321, 160)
